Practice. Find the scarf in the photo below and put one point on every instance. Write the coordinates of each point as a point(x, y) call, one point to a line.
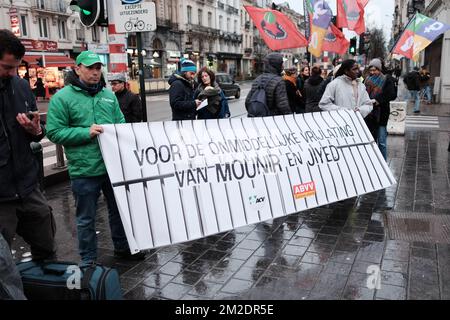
point(91, 90)
point(291, 79)
point(374, 85)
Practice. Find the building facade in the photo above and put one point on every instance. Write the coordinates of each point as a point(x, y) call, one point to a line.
point(52, 36)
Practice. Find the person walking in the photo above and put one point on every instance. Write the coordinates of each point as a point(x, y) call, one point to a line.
point(412, 82)
point(346, 91)
point(130, 103)
point(75, 117)
point(290, 79)
point(181, 92)
point(23, 208)
point(274, 86)
point(208, 88)
point(381, 89)
point(425, 86)
point(312, 90)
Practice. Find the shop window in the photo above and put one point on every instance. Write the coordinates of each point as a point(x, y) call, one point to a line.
point(23, 26)
point(43, 27)
point(62, 29)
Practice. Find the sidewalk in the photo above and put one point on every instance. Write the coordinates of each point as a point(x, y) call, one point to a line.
point(331, 252)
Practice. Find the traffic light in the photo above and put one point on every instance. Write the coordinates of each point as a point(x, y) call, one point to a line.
point(361, 49)
point(352, 48)
point(91, 12)
point(40, 62)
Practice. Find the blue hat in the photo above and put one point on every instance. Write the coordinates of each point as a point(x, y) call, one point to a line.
point(188, 65)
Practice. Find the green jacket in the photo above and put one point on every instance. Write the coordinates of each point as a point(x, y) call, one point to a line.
point(72, 111)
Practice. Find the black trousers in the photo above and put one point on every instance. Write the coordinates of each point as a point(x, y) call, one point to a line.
point(32, 219)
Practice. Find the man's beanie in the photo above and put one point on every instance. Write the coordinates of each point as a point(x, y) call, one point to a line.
point(376, 63)
point(188, 65)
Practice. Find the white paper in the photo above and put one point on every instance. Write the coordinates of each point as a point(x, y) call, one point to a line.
point(203, 104)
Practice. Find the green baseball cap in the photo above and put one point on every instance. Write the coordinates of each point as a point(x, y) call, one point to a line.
point(88, 58)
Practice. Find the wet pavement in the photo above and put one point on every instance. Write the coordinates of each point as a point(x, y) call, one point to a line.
point(331, 252)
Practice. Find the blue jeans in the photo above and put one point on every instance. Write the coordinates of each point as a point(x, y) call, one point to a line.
point(415, 95)
point(86, 192)
point(427, 91)
point(382, 141)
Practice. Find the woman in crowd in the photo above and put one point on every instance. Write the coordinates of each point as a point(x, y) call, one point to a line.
point(208, 89)
point(312, 90)
point(290, 79)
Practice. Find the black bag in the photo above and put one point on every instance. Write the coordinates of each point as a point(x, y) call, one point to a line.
point(258, 101)
point(68, 281)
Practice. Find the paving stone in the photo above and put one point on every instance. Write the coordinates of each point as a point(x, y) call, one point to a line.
point(389, 292)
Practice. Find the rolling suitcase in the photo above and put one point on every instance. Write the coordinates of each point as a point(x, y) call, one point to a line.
point(67, 281)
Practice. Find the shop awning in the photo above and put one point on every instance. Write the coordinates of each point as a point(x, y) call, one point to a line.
point(51, 61)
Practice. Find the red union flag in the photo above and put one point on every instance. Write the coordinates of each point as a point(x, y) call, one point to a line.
point(350, 14)
point(335, 41)
point(277, 31)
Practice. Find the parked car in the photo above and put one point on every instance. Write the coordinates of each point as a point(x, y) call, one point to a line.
point(228, 85)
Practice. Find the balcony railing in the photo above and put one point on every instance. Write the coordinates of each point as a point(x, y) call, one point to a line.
point(232, 10)
point(221, 5)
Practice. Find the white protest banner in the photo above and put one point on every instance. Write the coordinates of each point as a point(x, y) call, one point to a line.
point(181, 180)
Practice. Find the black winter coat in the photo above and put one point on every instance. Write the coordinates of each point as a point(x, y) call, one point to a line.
point(412, 80)
point(19, 169)
point(130, 105)
point(277, 99)
point(389, 93)
point(181, 97)
point(312, 93)
point(294, 99)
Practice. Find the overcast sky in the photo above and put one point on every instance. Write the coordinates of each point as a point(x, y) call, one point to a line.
point(378, 13)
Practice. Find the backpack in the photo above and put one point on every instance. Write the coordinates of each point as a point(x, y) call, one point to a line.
point(257, 106)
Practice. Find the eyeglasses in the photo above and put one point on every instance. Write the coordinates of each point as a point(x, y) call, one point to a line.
point(115, 83)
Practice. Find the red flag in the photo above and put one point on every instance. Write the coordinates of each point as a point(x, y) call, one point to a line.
point(277, 31)
point(335, 41)
point(350, 14)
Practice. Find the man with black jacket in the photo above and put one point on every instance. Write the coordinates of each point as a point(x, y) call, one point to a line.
point(412, 81)
point(130, 103)
point(23, 208)
point(181, 92)
point(276, 95)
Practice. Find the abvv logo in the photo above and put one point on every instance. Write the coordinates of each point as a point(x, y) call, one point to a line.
point(130, 1)
point(304, 190)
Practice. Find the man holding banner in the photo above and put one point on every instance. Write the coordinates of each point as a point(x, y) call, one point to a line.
point(74, 120)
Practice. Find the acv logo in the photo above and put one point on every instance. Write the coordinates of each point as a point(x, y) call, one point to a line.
point(272, 28)
point(130, 1)
point(255, 200)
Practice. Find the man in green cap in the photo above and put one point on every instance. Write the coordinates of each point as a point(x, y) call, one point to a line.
point(74, 120)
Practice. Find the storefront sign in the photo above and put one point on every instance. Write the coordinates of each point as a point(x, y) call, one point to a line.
point(40, 45)
point(14, 19)
point(177, 181)
point(98, 48)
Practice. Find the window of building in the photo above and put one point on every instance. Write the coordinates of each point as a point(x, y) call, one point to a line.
point(23, 26)
point(200, 17)
point(40, 4)
point(221, 22)
point(95, 35)
point(210, 19)
point(80, 34)
point(235, 26)
point(228, 24)
point(43, 27)
point(62, 29)
point(189, 14)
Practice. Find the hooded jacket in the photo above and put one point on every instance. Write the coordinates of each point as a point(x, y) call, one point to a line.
point(339, 95)
point(181, 98)
point(276, 95)
point(19, 169)
point(71, 113)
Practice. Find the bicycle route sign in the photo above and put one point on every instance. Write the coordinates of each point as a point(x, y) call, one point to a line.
point(135, 17)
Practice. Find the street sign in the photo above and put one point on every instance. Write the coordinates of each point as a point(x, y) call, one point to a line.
point(139, 17)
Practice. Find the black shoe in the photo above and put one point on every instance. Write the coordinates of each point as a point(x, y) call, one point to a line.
point(126, 255)
point(416, 111)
